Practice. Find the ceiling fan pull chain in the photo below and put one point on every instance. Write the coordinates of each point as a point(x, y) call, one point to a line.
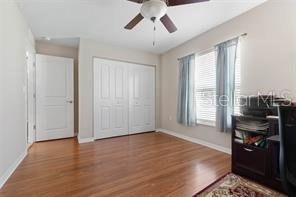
point(154, 32)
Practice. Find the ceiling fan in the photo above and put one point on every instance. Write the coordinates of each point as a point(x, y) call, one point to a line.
point(155, 10)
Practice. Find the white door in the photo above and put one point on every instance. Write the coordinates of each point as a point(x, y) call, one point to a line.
point(110, 98)
point(54, 98)
point(141, 99)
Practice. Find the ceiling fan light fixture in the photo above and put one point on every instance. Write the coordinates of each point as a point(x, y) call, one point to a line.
point(154, 9)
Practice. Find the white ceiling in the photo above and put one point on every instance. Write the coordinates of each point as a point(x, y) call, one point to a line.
point(104, 21)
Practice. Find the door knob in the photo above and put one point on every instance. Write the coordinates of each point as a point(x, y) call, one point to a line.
point(69, 101)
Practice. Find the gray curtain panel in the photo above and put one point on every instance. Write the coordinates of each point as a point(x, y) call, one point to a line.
point(226, 56)
point(186, 114)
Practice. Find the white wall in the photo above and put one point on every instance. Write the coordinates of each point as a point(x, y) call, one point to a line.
point(89, 49)
point(47, 48)
point(14, 34)
point(268, 60)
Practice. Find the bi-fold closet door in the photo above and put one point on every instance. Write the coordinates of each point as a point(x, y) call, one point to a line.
point(124, 98)
point(141, 99)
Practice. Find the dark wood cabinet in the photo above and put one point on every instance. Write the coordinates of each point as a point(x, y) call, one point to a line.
point(257, 163)
point(249, 158)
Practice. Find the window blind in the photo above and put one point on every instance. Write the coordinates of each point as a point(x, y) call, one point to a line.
point(237, 87)
point(205, 83)
point(205, 86)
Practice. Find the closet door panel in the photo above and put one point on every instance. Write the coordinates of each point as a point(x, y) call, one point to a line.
point(142, 99)
point(119, 83)
point(110, 99)
point(149, 98)
point(138, 116)
point(148, 116)
point(105, 74)
point(102, 98)
point(105, 114)
point(121, 98)
point(119, 117)
point(135, 114)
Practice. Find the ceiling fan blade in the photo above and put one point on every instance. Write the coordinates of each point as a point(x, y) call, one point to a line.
point(183, 2)
point(134, 22)
point(136, 1)
point(168, 23)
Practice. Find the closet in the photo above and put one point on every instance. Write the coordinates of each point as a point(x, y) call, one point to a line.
point(124, 98)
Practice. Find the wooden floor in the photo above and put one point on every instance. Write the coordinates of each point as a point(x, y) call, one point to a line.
point(152, 164)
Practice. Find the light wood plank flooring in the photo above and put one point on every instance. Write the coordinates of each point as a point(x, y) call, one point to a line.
point(151, 164)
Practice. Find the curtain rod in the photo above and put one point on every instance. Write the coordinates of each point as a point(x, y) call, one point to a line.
point(242, 35)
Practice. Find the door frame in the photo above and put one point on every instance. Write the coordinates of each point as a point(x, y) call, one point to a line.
point(30, 55)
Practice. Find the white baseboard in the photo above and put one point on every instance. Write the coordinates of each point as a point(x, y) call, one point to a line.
point(11, 169)
point(85, 140)
point(195, 140)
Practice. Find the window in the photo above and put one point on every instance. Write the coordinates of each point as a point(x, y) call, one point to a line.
point(205, 83)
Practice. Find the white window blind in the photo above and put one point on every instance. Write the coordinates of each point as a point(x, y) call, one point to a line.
point(205, 83)
point(237, 87)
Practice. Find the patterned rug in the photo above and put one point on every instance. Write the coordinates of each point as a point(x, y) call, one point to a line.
point(235, 186)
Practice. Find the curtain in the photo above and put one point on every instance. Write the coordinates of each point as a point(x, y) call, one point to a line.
point(186, 114)
point(225, 72)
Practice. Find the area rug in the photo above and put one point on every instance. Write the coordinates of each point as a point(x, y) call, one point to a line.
point(235, 186)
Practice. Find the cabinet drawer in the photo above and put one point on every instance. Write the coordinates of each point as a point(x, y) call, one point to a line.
point(249, 158)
